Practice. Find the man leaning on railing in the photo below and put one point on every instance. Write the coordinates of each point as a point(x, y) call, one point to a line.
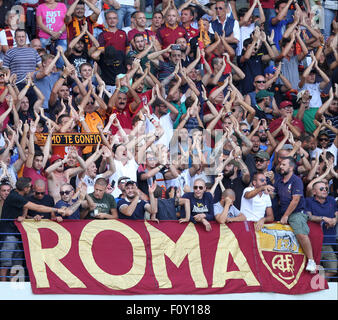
point(12, 209)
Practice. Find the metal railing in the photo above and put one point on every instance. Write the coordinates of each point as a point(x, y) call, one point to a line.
point(19, 272)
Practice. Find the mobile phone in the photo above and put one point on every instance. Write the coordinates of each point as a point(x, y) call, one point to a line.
point(175, 47)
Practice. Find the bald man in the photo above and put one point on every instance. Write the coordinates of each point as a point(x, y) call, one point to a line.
point(225, 211)
point(40, 197)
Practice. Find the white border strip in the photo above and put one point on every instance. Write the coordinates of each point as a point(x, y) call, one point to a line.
point(22, 291)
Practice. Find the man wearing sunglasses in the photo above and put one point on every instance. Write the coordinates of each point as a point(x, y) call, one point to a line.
point(226, 23)
point(201, 204)
point(324, 144)
point(256, 202)
point(323, 209)
point(39, 196)
point(67, 200)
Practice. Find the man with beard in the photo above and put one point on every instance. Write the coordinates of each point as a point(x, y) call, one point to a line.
point(78, 54)
point(75, 19)
point(262, 160)
point(290, 194)
point(232, 179)
point(118, 102)
point(60, 93)
point(132, 207)
point(256, 202)
point(266, 140)
point(140, 28)
point(141, 50)
point(309, 143)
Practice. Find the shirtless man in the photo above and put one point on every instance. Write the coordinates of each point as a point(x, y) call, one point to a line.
point(57, 175)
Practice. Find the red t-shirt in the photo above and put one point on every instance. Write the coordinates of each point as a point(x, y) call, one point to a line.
point(3, 108)
point(227, 68)
point(206, 111)
point(35, 175)
point(117, 39)
point(192, 32)
point(275, 124)
point(266, 4)
point(145, 98)
point(125, 118)
point(148, 34)
point(167, 35)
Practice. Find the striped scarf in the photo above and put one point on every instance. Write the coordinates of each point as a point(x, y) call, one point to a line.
point(9, 36)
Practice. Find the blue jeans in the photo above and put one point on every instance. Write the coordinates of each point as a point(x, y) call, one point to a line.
point(59, 42)
point(329, 15)
point(124, 15)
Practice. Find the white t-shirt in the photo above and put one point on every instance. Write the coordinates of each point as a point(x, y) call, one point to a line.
point(90, 182)
point(333, 149)
point(245, 32)
point(3, 38)
point(254, 208)
point(233, 211)
point(181, 181)
point(89, 12)
point(314, 90)
point(129, 170)
point(167, 125)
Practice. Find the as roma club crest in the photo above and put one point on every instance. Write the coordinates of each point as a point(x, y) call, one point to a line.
point(281, 253)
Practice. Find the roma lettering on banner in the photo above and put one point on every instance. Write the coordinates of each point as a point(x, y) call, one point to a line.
point(66, 139)
point(142, 257)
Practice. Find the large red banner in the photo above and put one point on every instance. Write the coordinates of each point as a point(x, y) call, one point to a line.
point(142, 257)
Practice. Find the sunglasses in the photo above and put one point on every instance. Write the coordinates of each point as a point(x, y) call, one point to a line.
point(323, 139)
point(198, 187)
point(65, 192)
point(2, 75)
point(324, 188)
point(262, 180)
point(259, 160)
point(219, 8)
point(260, 81)
point(39, 193)
point(246, 130)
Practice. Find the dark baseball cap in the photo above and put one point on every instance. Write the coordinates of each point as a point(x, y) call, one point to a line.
point(261, 154)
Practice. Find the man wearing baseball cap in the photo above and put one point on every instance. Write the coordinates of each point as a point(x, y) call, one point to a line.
point(263, 106)
point(262, 160)
point(295, 125)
